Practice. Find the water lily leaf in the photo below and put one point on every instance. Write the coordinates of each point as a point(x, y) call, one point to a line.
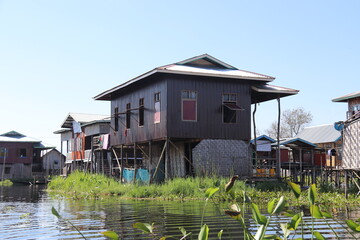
point(319, 236)
point(271, 237)
point(312, 194)
point(260, 232)
point(271, 205)
point(326, 214)
point(235, 207)
point(145, 227)
point(182, 230)
point(204, 233)
point(315, 211)
point(295, 189)
point(55, 213)
point(220, 234)
point(234, 214)
point(352, 225)
point(110, 234)
point(259, 219)
point(210, 191)
point(279, 206)
point(247, 199)
point(295, 221)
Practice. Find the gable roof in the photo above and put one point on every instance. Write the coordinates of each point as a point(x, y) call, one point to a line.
point(346, 97)
point(203, 65)
point(263, 137)
point(295, 142)
point(14, 136)
point(82, 118)
point(320, 134)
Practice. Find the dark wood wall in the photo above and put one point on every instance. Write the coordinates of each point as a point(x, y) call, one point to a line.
point(209, 124)
point(150, 131)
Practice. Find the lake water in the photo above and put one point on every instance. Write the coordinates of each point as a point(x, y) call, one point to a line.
point(25, 213)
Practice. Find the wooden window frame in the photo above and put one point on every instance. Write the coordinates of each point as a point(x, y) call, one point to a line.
point(186, 95)
point(128, 116)
point(229, 99)
point(116, 119)
point(141, 112)
point(157, 101)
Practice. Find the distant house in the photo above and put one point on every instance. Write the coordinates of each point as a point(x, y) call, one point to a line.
point(328, 141)
point(84, 141)
point(52, 160)
point(350, 129)
point(190, 117)
point(20, 156)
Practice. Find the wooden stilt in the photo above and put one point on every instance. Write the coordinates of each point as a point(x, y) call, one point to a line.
point(135, 162)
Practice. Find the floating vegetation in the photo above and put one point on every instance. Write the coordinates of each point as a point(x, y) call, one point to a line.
point(6, 183)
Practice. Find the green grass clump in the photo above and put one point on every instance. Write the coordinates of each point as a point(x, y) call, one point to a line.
point(6, 183)
point(86, 185)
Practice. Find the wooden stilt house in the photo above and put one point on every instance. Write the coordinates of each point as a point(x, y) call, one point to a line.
point(190, 117)
point(350, 129)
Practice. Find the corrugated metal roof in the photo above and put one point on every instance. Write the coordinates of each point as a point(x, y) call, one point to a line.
point(194, 66)
point(14, 136)
point(296, 141)
point(82, 118)
point(347, 97)
point(320, 134)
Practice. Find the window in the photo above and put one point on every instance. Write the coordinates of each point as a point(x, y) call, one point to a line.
point(7, 170)
point(22, 152)
point(128, 112)
point(229, 108)
point(157, 107)
point(116, 119)
point(141, 112)
point(188, 105)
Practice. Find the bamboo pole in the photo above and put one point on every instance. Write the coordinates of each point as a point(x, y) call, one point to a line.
point(157, 167)
point(278, 141)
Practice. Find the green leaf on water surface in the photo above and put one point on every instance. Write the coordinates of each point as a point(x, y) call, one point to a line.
point(220, 234)
point(210, 191)
point(259, 219)
point(315, 211)
point(295, 189)
point(110, 234)
point(319, 236)
point(279, 206)
point(54, 212)
point(295, 221)
point(352, 225)
point(270, 207)
point(25, 215)
point(145, 227)
point(312, 194)
point(204, 233)
point(271, 237)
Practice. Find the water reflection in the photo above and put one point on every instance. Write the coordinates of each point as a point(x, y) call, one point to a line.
point(25, 213)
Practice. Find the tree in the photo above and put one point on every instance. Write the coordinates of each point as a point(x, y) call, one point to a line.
point(291, 123)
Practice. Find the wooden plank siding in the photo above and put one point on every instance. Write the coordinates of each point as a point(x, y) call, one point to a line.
point(209, 124)
point(150, 130)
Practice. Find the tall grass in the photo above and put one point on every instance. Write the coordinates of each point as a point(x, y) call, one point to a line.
point(86, 185)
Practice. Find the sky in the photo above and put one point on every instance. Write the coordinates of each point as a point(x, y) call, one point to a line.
point(55, 56)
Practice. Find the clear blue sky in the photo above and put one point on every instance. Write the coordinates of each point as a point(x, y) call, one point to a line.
point(56, 55)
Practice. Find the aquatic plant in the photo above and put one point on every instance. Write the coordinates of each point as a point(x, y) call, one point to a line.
point(6, 183)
